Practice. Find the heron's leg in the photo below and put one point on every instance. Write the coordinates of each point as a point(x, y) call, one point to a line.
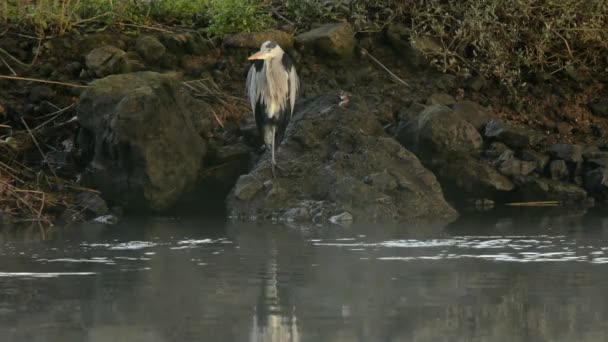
point(272, 147)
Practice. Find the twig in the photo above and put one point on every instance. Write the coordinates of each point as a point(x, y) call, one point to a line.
point(149, 28)
point(282, 17)
point(384, 67)
point(534, 204)
point(37, 52)
point(8, 66)
point(217, 118)
point(11, 57)
point(42, 81)
point(57, 114)
point(39, 149)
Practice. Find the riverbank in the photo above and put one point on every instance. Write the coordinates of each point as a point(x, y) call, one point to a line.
point(74, 150)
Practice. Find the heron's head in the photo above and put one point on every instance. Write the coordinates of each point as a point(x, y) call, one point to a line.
point(268, 50)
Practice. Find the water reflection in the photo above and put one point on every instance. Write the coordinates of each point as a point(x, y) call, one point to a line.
point(509, 279)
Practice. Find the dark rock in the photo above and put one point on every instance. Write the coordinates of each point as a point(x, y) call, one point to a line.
point(465, 178)
point(412, 50)
point(567, 152)
point(599, 108)
point(477, 83)
point(512, 136)
point(139, 137)
point(150, 48)
point(473, 113)
point(597, 130)
point(542, 189)
point(107, 60)
point(495, 150)
point(337, 40)
point(92, 203)
point(558, 170)
point(335, 160)
point(512, 167)
point(540, 159)
point(231, 152)
point(596, 183)
point(441, 99)
point(407, 126)
point(443, 133)
point(253, 40)
point(193, 65)
point(564, 128)
point(39, 93)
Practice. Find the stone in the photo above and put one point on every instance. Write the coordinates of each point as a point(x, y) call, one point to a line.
point(599, 108)
point(335, 160)
point(441, 99)
point(466, 178)
point(407, 126)
point(247, 187)
point(193, 65)
point(558, 170)
point(540, 159)
point(150, 48)
point(567, 152)
point(514, 137)
point(443, 133)
point(510, 166)
point(564, 128)
point(596, 183)
point(335, 40)
point(477, 83)
point(107, 60)
point(412, 50)
point(39, 93)
point(542, 189)
point(139, 139)
point(92, 203)
point(253, 40)
point(473, 113)
point(495, 150)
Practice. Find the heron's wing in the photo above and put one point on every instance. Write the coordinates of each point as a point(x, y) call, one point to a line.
point(251, 92)
point(294, 86)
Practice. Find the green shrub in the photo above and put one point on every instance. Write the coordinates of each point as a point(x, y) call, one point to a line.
point(229, 16)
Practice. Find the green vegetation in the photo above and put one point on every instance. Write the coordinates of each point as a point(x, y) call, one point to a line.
point(504, 39)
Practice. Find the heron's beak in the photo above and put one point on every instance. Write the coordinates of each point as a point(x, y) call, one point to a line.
point(258, 55)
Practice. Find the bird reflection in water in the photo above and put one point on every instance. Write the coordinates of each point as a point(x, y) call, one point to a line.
point(270, 323)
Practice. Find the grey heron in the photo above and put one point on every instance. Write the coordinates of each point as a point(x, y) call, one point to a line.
point(272, 86)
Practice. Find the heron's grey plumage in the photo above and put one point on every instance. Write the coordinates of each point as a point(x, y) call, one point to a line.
point(272, 87)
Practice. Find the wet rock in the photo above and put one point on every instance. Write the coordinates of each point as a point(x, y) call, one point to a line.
point(441, 99)
point(542, 189)
point(107, 60)
point(342, 219)
point(442, 133)
point(336, 40)
point(510, 166)
point(253, 40)
point(330, 163)
point(150, 48)
point(567, 152)
point(512, 136)
point(39, 93)
point(106, 219)
point(495, 150)
point(92, 203)
point(139, 139)
point(599, 108)
point(596, 183)
point(540, 159)
point(473, 113)
point(558, 170)
point(465, 178)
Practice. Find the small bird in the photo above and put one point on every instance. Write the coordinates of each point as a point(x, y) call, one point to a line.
point(272, 86)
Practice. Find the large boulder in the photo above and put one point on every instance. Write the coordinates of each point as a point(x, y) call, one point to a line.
point(443, 133)
point(150, 48)
point(512, 136)
point(338, 163)
point(139, 139)
point(335, 40)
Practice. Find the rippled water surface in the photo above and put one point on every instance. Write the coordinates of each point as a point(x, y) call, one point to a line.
point(509, 279)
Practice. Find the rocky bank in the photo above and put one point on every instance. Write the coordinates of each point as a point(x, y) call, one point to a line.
point(163, 124)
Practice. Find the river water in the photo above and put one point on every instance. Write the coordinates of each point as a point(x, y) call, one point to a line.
point(484, 279)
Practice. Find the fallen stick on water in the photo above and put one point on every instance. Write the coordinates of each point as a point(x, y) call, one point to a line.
point(534, 204)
